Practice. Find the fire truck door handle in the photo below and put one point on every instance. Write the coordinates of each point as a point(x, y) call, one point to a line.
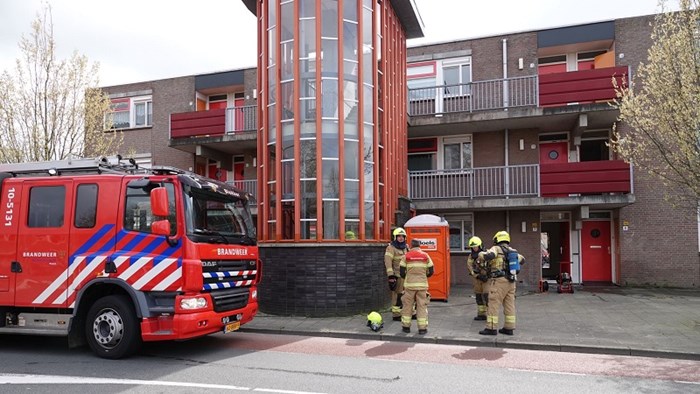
point(110, 267)
point(15, 266)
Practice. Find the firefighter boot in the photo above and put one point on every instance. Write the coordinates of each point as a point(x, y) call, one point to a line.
point(488, 331)
point(422, 331)
point(480, 317)
point(406, 329)
point(506, 331)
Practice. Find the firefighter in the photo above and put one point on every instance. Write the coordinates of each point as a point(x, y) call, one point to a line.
point(503, 265)
point(479, 274)
point(392, 258)
point(415, 268)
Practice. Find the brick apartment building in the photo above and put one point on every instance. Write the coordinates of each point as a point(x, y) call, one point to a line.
point(503, 132)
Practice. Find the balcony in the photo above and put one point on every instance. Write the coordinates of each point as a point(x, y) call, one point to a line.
point(248, 185)
point(212, 123)
point(605, 184)
point(549, 90)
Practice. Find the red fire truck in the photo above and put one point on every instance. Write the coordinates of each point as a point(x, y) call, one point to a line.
point(107, 253)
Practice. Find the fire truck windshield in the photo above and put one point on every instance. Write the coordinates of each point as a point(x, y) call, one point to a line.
point(214, 217)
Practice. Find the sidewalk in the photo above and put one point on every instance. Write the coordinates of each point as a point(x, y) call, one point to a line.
point(606, 320)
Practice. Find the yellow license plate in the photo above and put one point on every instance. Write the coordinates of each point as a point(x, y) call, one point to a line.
point(233, 326)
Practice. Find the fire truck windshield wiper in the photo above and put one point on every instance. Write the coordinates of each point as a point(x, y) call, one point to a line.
point(205, 231)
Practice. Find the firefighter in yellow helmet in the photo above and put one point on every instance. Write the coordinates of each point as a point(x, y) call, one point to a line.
point(392, 258)
point(478, 272)
point(503, 264)
point(415, 267)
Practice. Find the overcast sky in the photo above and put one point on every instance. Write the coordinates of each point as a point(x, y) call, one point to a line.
point(141, 40)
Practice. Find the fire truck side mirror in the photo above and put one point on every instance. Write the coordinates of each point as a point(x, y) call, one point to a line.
point(159, 202)
point(161, 227)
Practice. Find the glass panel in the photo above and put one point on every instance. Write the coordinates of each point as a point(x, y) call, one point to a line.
point(287, 179)
point(272, 123)
point(455, 235)
point(350, 42)
point(47, 205)
point(288, 220)
point(287, 18)
point(350, 122)
point(271, 230)
point(273, 200)
point(329, 18)
point(307, 38)
point(466, 155)
point(352, 229)
point(329, 148)
point(307, 165)
point(307, 8)
point(352, 160)
point(271, 13)
point(350, 10)
point(369, 182)
point(329, 98)
point(271, 163)
point(452, 158)
point(287, 63)
point(308, 199)
point(329, 56)
point(86, 206)
point(287, 100)
point(331, 181)
point(466, 73)
point(271, 47)
point(367, 47)
point(308, 118)
point(369, 220)
point(331, 219)
point(287, 140)
point(368, 104)
point(308, 229)
point(272, 84)
point(352, 200)
point(368, 136)
point(421, 162)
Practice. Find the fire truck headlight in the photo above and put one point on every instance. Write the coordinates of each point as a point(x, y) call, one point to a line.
point(193, 303)
point(254, 295)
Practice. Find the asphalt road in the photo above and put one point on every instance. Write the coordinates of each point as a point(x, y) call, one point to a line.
point(297, 364)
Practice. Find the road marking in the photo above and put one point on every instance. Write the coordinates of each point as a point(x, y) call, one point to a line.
point(56, 379)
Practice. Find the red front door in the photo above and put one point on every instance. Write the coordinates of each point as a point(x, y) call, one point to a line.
point(554, 152)
point(239, 122)
point(595, 252)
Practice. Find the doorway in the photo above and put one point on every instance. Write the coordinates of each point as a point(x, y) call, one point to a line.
point(555, 249)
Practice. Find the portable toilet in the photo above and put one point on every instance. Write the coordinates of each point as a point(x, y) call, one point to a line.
point(433, 232)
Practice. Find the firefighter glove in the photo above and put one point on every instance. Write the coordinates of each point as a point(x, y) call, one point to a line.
point(483, 277)
point(393, 281)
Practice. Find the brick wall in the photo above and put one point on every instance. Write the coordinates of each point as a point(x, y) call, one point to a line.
point(660, 247)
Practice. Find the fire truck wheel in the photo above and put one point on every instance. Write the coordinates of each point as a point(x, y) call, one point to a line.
point(112, 329)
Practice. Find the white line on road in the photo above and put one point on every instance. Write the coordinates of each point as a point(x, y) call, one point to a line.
point(56, 379)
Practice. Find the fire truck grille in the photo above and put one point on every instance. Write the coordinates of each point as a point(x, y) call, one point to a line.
point(228, 300)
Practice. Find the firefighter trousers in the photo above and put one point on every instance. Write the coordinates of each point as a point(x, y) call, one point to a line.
point(396, 298)
point(481, 292)
point(420, 298)
point(501, 291)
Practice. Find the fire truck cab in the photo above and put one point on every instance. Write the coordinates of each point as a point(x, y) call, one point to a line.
point(107, 253)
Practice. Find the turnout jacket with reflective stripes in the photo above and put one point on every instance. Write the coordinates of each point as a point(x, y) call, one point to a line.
point(416, 268)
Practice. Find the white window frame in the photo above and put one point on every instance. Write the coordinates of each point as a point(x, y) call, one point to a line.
point(461, 219)
point(463, 139)
point(147, 101)
point(464, 90)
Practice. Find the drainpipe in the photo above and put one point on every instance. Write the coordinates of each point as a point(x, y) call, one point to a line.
point(506, 172)
point(505, 74)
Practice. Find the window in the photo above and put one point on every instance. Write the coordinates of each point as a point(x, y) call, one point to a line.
point(457, 77)
point(421, 80)
point(86, 206)
point(138, 215)
point(422, 154)
point(457, 153)
point(461, 229)
point(131, 112)
point(46, 206)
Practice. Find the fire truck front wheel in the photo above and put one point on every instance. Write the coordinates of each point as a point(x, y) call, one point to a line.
point(112, 329)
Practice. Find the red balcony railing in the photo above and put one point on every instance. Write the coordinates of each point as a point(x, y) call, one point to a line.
point(580, 86)
point(196, 124)
point(588, 177)
point(213, 122)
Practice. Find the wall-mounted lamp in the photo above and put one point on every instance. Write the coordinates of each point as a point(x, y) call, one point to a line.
point(521, 144)
point(523, 226)
point(520, 63)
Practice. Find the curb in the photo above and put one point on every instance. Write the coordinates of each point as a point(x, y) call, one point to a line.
point(589, 349)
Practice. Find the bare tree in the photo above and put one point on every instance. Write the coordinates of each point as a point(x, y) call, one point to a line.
point(51, 109)
point(662, 108)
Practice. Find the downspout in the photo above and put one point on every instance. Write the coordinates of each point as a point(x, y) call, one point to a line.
point(505, 74)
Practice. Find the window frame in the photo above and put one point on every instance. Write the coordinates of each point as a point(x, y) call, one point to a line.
point(461, 220)
point(461, 140)
point(132, 103)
